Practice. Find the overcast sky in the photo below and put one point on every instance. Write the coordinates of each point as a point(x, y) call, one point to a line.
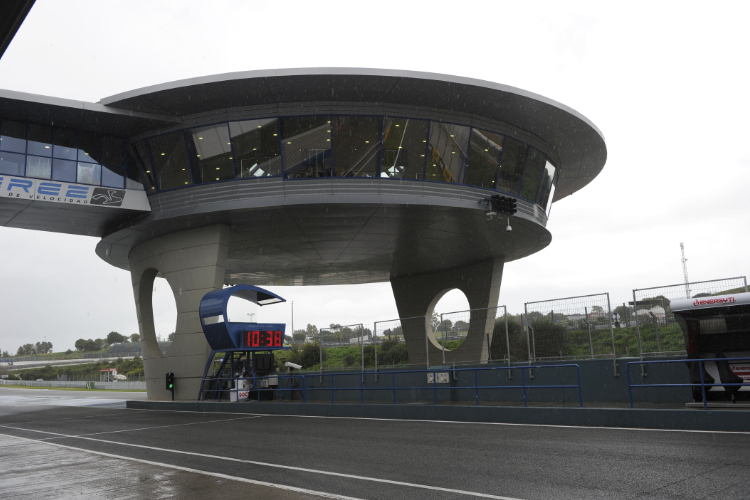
point(666, 82)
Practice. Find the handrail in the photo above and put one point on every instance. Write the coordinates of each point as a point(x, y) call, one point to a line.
point(702, 384)
point(305, 387)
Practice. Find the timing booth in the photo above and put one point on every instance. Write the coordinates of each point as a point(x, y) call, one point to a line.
point(241, 365)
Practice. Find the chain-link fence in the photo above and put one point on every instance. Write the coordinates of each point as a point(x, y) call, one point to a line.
point(338, 336)
point(390, 340)
point(570, 328)
point(451, 330)
point(658, 333)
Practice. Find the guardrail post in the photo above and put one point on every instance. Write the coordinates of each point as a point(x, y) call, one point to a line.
point(434, 385)
point(523, 381)
point(362, 390)
point(703, 385)
point(332, 391)
point(580, 390)
point(394, 387)
point(476, 385)
point(304, 388)
point(630, 385)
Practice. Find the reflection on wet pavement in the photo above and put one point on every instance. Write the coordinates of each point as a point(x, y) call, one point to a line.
point(32, 469)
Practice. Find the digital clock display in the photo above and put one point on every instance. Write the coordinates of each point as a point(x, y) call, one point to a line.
point(264, 338)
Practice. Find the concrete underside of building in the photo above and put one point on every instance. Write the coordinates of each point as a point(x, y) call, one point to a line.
point(311, 220)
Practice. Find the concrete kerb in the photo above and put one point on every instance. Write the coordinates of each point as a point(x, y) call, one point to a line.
point(686, 420)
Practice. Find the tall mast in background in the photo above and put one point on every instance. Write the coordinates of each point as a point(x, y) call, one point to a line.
point(684, 271)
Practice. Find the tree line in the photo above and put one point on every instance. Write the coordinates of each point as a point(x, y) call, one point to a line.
point(31, 349)
point(111, 338)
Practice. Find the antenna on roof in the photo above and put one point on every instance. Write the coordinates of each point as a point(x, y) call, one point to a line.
point(684, 271)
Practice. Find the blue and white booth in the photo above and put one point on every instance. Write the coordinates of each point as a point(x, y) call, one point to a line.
point(248, 364)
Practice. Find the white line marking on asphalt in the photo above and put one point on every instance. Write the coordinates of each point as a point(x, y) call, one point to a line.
point(266, 464)
point(195, 471)
point(509, 424)
point(148, 428)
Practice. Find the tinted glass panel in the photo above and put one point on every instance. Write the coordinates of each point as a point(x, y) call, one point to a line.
point(512, 162)
point(89, 173)
point(306, 146)
point(113, 151)
point(40, 140)
point(66, 144)
point(446, 154)
point(356, 145)
point(38, 166)
point(13, 136)
point(547, 191)
point(171, 167)
point(210, 153)
point(484, 158)
point(12, 163)
point(404, 148)
point(255, 144)
point(132, 173)
point(112, 176)
point(138, 155)
point(89, 147)
point(64, 170)
point(533, 174)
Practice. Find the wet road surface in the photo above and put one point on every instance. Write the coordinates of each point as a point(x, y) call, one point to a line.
point(163, 454)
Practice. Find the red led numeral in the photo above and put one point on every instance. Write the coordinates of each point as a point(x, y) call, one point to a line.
point(254, 339)
point(277, 339)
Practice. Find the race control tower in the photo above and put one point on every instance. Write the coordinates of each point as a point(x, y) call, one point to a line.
point(297, 177)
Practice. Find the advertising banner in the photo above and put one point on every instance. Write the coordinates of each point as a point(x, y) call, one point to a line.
point(73, 194)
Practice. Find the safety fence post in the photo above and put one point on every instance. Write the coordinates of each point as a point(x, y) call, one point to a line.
point(638, 330)
point(507, 341)
point(375, 342)
point(445, 339)
point(612, 335)
point(426, 344)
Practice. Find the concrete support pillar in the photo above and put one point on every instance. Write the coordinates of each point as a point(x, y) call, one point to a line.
point(193, 263)
point(416, 297)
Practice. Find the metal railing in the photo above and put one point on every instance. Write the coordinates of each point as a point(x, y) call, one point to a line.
point(702, 383)
point(305, 388)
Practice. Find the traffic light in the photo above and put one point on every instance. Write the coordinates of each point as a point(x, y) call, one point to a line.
point(170, 381)
point(511, 206)
point(505, 205)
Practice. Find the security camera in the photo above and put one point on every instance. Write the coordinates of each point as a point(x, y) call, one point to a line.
point(508, 228)
point(294, 366)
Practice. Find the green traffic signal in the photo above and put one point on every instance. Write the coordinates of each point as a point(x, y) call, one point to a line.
point(170, 381)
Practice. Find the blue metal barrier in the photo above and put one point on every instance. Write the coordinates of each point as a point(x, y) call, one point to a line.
point(305, 387)
point(702, 384)
point(435, 386)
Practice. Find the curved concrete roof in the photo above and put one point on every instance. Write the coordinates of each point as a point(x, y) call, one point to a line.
point(577, 141)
